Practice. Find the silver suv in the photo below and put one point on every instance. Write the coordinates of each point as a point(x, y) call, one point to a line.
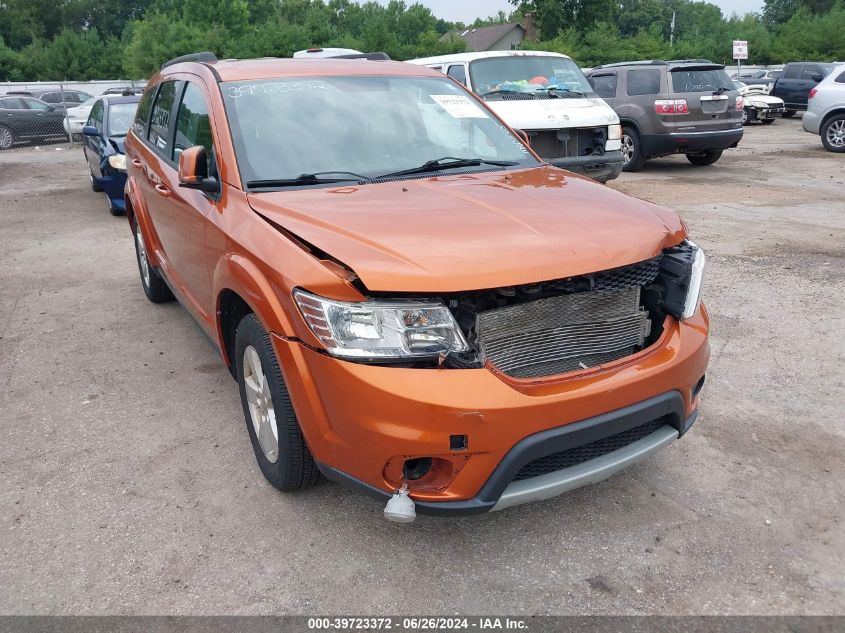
point(825, 113)
point(677, 107)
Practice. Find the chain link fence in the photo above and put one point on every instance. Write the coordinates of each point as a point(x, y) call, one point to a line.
point(35, 113)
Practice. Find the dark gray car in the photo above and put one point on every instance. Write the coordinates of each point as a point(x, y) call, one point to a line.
point(795, 83)
point(59, 99)
point(26, 119)
point(677, 107)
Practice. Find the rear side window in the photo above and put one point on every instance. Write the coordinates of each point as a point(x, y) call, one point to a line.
point(643, 82)
point(192, 125)
point(159, 133)
point(604, 85)
point(841, 78)
point(142, 114)
point(701, 80)
point(793, 72)
point(34, 104)
point(458, 72)
point(52, 97)
point(811, 71)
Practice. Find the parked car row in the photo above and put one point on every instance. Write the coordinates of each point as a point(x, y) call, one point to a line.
point(47, 114)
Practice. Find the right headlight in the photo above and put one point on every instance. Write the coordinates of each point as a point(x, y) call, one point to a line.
point(693, 298)
point(374, 330)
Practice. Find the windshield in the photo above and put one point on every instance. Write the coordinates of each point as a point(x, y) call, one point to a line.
point(365, 125)
point(700, 80)
point(121, 116)
point(527, 74)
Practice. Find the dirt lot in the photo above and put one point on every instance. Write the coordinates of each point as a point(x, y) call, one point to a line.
point(128, 485)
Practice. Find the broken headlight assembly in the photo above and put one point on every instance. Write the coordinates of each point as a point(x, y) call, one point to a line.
point(118, 161)
point(681, 275)
point(381, 330)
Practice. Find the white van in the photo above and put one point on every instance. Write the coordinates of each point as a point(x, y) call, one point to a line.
point(546, 96)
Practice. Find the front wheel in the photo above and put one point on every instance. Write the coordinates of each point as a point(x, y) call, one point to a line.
point(632, 153)
point(705, 158)
point(6, 138)
point(747, 116)
point(833, 134)
point(788, 114)
point(271, 422)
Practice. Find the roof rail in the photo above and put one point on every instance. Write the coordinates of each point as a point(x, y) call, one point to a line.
point(206, 57)
point(371, 56)
point(699, 60)
point(641, 62)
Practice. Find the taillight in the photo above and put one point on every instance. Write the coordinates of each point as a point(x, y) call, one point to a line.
point(740, 103)
point(671, 106)
point(812, 93)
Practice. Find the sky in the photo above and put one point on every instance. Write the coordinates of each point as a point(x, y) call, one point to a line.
point(467, 10)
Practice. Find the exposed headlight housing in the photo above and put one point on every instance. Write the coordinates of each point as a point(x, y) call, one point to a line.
point(693, 299)
point(381, 330)
point(614, 132)
point(118, 161)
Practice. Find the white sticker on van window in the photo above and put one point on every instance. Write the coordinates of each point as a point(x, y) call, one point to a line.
point(459, 106)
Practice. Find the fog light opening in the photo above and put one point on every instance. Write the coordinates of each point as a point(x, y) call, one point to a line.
point(416, 468)
point(697, 388)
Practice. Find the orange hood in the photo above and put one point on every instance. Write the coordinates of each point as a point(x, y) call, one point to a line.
point(474, 231)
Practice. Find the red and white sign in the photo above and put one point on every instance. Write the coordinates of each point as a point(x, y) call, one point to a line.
point(740, 49)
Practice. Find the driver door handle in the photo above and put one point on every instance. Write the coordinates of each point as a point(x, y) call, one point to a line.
point(162, 190)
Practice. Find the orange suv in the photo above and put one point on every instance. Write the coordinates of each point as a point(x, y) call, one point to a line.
point(404, 291)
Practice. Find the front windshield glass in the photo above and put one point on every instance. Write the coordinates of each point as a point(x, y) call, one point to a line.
point(370, 126)
point(527, 74)
point(121, 116)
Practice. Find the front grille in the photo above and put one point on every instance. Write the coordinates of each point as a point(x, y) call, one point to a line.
point(580, 454)
point(559, 334)
point(568, 142)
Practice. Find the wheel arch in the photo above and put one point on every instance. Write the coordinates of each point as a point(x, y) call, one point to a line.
point(136, 211)
point(829, 115)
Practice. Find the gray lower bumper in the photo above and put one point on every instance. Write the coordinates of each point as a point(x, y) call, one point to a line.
point(601, 167)
point(553, 484)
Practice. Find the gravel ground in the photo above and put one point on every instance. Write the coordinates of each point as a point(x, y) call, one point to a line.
point(129, 486)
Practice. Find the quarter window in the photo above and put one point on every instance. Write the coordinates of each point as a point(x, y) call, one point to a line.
point(604, 85)
point(643, 82)
point(840, 79)
point(457, 72)
point(52, 97)
point(192, 124)
point(159, 134)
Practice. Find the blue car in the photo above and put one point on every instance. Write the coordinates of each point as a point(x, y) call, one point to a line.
point(103, 137)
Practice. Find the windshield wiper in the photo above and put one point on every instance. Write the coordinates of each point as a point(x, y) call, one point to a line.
point(501, 91)
point(448, 162)
point(554, 89)
point(317, 178)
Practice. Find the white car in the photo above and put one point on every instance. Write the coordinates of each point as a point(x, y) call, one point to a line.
point(547, 97)
point(759, 105)
point(75, 118)
point(825, 113)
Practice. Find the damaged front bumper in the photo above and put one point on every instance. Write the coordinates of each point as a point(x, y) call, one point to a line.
point(601, 167)
point(362, 421)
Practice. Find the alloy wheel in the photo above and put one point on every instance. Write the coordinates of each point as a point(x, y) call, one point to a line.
point(627, 149)
point(5, 138)
point(260, 403)
point(836, 133)
point(142, 257)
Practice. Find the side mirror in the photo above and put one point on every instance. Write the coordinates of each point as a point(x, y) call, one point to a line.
point(193, 170)
point(524, 136)
point(90, 130)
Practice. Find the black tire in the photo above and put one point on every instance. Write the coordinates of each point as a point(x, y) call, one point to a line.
point(154, 286)
point(7, 139)
point(705, 158)
point(832, 134)
point(788, 114)
point(294, 467)
point(113, 209)
point(632, 151)
point(748, 116)
point(94, 185)
point(767, 121)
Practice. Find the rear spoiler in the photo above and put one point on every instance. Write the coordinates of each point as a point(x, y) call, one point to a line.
point(371, 56)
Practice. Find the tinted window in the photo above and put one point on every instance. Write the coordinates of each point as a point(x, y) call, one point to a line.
point(52, 97)
point(13, 103)
point(34, 104)
point(811, 71)
point(701, 80)
point(456, 71)
point(643, 82)
point(192, 124)
point(841, 78)
point(142, 114)
point(604, 85)
point(96, 116)
point(793, 71)
point(159, 133)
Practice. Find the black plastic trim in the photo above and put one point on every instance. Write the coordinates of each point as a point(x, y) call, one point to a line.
point(669, 405)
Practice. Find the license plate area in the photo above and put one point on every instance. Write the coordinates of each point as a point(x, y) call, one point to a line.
point(716, 104)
